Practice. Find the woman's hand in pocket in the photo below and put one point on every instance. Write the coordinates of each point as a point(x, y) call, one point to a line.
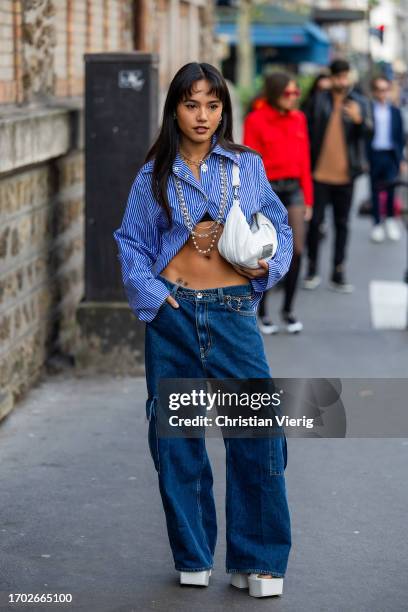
point(170, 299)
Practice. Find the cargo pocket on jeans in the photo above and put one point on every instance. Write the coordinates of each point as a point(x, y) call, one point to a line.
point(151, 414)
point(277, 455)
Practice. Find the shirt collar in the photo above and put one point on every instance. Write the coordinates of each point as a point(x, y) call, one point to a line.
point(377, 104)
point(219, 150)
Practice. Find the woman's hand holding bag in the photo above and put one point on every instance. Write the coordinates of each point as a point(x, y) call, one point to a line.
point(244, 245)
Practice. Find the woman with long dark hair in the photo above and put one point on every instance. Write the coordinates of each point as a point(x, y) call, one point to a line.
point(200, 314)
point(279, 133)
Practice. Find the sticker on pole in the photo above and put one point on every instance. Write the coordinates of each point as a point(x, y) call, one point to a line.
point(131, 79)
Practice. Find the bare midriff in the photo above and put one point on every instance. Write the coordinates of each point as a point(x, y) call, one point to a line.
point(190, 268)
point(197, 271)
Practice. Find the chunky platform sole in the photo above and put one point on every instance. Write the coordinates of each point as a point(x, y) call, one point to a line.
point(258, 587)
point(240, 581)
point(195, 578)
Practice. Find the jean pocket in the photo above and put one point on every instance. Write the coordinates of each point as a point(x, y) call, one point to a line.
point(241, 304)
point(153, 440)
point(277, 455)
point(163, 306)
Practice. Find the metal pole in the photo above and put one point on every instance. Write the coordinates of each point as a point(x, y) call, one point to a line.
point(244, 45)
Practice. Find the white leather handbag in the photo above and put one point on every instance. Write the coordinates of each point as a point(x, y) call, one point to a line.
point(241, 243)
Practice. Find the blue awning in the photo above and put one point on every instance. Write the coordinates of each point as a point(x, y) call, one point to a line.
point(307, 38)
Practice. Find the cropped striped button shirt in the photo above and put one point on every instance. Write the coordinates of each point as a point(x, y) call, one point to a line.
point(146, 244)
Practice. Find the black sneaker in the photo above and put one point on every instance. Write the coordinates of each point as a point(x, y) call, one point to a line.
point(266, 326)
point(339, 284)
point(293, 326)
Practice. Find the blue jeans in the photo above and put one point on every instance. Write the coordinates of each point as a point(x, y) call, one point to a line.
point(214, 334)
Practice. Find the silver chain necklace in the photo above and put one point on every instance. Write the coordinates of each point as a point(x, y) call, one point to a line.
point(220, 216)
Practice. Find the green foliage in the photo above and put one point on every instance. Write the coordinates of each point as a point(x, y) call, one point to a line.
point(247, 94)
point(305, 82)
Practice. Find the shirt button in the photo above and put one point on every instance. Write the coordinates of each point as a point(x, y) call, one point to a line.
point(199, 295)
point(176, 168)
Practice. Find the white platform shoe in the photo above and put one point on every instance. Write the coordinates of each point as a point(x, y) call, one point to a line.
point(195, 578)
point(258, 587)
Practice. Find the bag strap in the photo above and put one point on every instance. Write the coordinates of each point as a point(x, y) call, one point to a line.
point(235, 182)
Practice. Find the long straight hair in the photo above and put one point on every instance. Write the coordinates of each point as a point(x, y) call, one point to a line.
point(164, 149)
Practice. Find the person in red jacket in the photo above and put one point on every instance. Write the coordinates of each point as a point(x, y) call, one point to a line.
point(278, 131)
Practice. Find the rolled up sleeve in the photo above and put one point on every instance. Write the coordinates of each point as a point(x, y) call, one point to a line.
point(138, 241)
point(273, 208)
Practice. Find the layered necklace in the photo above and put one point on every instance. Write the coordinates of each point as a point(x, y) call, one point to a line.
point(199, 164)
point(212, 229)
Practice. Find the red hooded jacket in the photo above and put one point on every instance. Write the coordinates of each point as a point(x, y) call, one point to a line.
point(283, 142)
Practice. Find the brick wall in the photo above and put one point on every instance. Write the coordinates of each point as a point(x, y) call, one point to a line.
point(42, 43)
point(179, 32)
point(10, 51)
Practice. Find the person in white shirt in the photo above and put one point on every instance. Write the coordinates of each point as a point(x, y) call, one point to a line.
point(385, 155)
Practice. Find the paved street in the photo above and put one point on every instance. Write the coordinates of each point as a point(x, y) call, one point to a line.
point(81, 513)
point(338, 339)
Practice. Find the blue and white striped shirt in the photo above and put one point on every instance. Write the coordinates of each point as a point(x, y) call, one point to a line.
point(146, 245)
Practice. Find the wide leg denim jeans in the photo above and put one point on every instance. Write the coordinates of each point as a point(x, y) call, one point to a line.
point(214, 334)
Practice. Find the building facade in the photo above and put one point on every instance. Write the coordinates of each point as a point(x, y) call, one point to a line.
point(42, 43)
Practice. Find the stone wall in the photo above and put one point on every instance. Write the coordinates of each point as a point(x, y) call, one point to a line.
point(42, 43)
point(41, 246)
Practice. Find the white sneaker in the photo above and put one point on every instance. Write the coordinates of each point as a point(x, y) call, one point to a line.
point(378, 233)
point(311, 282)
point(258, 586)
point(293, 326)
point(195, 578)
point(266, 326)
point(392, 229)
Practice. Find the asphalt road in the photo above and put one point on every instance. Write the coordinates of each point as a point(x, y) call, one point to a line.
point(80, 508)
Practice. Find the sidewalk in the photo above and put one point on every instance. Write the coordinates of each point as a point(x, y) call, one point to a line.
point(81, 511)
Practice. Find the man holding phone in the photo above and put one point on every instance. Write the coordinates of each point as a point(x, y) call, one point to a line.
point(338, 121)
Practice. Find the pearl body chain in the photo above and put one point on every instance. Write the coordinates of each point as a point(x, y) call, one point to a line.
point(213, 228)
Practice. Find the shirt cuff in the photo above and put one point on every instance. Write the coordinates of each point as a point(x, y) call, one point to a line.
point(157, 294)
point(261, 284)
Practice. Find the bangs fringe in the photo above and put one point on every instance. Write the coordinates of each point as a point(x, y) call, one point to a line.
point(216, 86)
